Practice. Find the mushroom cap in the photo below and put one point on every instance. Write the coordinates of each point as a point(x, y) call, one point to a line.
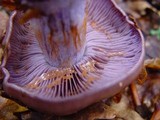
point(113, 58)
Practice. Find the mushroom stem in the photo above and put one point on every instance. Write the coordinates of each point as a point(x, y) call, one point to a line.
point(61, 35)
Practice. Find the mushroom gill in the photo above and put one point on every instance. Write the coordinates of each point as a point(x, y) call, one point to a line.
point(68, 59)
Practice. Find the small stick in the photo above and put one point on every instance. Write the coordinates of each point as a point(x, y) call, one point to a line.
point(135, 94)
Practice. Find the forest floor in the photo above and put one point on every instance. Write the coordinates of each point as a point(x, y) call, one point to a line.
point(138, 101)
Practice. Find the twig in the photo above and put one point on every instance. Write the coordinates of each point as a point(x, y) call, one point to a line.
point(135, 94)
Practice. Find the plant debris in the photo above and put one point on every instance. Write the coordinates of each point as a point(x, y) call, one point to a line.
point(3, 23)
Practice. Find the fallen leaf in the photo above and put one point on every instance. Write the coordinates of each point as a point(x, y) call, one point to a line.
point(95, 112)
point(135, 8)
point(142, 76)
point(153, 63)
point(3, 23)
point(8, 108)
point(124, 111)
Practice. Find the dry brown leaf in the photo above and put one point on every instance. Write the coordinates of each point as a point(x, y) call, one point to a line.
point(3, 23)
point(8, 107)
point(96, 111)
point(3, 101)
point(149, 92)
point(135, 8)
point(142, 76)
point(124, 111)
point(153, 63)
point(139, 6)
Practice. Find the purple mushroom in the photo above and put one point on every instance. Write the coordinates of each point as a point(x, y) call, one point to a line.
point(74, 54)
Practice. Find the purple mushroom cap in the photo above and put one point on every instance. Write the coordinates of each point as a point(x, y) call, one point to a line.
point(110, 58)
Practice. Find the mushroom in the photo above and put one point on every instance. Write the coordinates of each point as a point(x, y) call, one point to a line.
point(71, 57)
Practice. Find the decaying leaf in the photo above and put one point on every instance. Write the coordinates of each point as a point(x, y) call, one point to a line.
point(136, 8)
point(124, 110)
point(95, 112)
point(8, 108)
point(149, 92)
point(3, 23)
point(142, 76)
point(153, 63)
